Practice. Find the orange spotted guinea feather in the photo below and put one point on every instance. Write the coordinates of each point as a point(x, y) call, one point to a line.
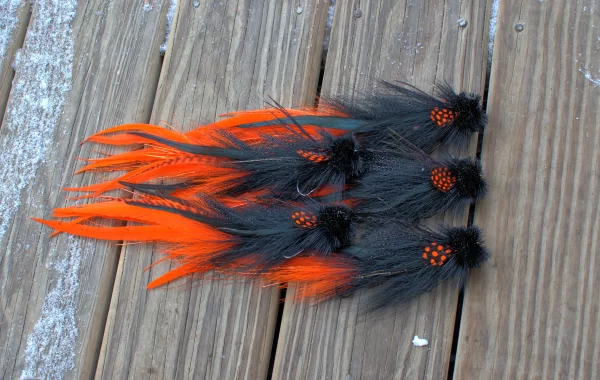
point(409, 184)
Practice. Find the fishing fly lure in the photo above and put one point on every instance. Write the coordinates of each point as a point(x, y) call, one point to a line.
point(289, 167)
point(424, 120)
point(404, 260)
point(406, 183)
point(203, 234)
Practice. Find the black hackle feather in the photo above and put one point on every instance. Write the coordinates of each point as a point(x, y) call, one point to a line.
point(405, 183)
point(409, 260)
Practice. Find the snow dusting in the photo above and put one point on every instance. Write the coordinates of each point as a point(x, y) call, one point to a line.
point(8, 23)
point(51, 346)
point(419, 342)
point(493, 22)
point(170, 15)
point(594, 79)
point(44, 73)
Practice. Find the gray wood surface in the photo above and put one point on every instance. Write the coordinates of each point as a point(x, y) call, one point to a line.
point(222, 57)
point(533, 311)
point(75, 308)
point(56, 291)
point(418, 43)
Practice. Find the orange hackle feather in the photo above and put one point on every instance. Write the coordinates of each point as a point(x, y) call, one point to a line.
point(190, 242)
point(206, 134)
point(178, 167)
point(321, 277)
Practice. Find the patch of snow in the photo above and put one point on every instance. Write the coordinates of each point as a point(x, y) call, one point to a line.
point(8, 23)
point(419, 342)
point(147, 7)
point(493, 22)
point(594, 79)
point(33, 110)
point(328, 25)
point(51, 346)
point(170, 15)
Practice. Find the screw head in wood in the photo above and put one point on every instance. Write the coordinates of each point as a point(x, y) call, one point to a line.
point(462, 23)
point(519, 27)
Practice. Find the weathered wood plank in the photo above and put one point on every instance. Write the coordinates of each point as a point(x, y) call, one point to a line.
point(223, 57)
point(533, 311)
point(419, 43)
point(13, 24)
point(77, 74)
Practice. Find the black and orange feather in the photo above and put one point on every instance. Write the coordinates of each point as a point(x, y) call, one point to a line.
point(288, 166)
point(203, 234)
point(281, 193)
point(425, 120)
point(404, 260)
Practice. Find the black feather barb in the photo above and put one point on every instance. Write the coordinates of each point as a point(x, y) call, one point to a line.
point(403, 182)
point(409, 260)
point(426, 121)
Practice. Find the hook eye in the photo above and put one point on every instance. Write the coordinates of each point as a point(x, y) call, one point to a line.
point(294, 255)
point(303, 194)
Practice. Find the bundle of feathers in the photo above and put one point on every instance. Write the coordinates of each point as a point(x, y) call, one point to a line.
point(330, 198)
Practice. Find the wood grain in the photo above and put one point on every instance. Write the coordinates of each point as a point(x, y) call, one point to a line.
point(16, 40)
point(223, 56)
point(116, 68)
point(533, 311)
point(419, 43)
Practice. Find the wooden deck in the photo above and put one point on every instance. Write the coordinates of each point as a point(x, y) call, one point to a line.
point(72, 308)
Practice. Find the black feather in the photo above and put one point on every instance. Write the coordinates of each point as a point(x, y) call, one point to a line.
point(413, 114)
point(403, 182)
point(406, 260)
